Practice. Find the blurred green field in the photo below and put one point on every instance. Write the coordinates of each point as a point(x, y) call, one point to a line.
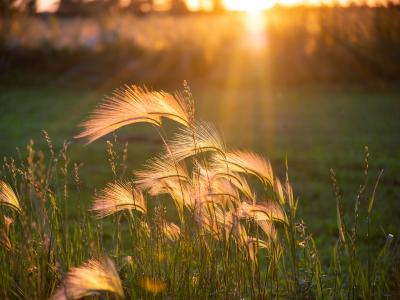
point(316, 128)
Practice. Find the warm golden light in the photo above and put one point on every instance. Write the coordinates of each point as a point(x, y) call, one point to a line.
point(237, 5)
point(260, 5)
point(47, 5)
point(255, 23)
point(248, 5)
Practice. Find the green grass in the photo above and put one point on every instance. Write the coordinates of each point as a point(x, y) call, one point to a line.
point(316, 128)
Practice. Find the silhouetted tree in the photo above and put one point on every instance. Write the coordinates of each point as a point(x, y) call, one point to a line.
point(83, 7)
point(7, 7)
point(141, 7)
point(179, 7)
point(31, 7)
point(10, 7)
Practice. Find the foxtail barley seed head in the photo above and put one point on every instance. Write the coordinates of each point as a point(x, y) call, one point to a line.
point(116, 197)
point(8, 197)
point(269, 229)
point(214, 220)
point(279, 191)
point(164, 176)
point(253, 245)
point(160, 174)
point(269, 211)
point(245, 162)
point(218, 187)
point(201, 137)
point(171, 231)
point(133, 105)
point(92, 277)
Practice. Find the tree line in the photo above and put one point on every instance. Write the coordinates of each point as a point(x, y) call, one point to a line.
point(94, 7)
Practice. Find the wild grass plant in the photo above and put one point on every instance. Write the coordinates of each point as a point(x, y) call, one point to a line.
point(198, 221)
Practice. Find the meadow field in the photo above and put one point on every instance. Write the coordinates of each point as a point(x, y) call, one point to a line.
point(318, 100)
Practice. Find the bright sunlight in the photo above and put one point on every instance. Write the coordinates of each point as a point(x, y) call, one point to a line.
point(255, 23)
point(251, 6)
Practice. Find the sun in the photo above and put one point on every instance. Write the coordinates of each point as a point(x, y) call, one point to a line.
point(250, 6)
